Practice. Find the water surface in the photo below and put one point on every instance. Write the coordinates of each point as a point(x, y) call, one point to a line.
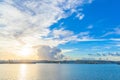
point(59, 72)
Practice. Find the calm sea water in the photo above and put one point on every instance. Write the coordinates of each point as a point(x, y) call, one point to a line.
point(59, 72)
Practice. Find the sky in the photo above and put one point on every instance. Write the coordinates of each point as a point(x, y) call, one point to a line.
point(60, 29)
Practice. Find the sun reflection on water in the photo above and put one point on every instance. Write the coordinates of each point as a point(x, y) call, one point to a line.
point(23, 72)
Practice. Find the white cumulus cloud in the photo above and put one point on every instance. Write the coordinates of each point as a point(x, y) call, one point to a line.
point(29, 21)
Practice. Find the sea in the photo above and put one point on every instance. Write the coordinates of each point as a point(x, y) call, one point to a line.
point(44, 71)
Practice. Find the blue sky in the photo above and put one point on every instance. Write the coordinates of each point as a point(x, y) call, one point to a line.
point(101, 19)
point(60, 29)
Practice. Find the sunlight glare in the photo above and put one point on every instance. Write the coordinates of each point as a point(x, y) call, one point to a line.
point(26, 51)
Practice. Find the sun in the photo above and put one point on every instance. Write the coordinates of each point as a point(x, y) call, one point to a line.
point(26, 51)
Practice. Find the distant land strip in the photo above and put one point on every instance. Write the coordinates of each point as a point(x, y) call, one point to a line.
point(58, 62)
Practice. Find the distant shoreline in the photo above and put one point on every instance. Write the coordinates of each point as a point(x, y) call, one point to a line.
point(59, 62)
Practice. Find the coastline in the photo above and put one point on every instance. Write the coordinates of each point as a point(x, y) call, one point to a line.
point(58, 62)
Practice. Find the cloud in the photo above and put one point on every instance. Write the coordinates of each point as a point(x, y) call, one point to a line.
point(80, 16)
point(90, 1)
point(48, 53)
point(115, 39)
point(69, 50)
point(61, 33)
point(115, 31)
point(90, 27)
point(114, 54)
point(29, 21)
point(118, 45)
point(85, 36)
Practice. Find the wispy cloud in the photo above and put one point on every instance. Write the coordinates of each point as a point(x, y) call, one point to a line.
point(90, 27)
point(115, 39)
point(29, 21)
point(68, 50)
point(80, 16)
point(106, 54)
point(115, 31)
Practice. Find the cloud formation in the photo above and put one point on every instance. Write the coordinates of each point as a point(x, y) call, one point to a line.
point(106, 54)
point(46, 52)
point(114, 31)
point(29, 21)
